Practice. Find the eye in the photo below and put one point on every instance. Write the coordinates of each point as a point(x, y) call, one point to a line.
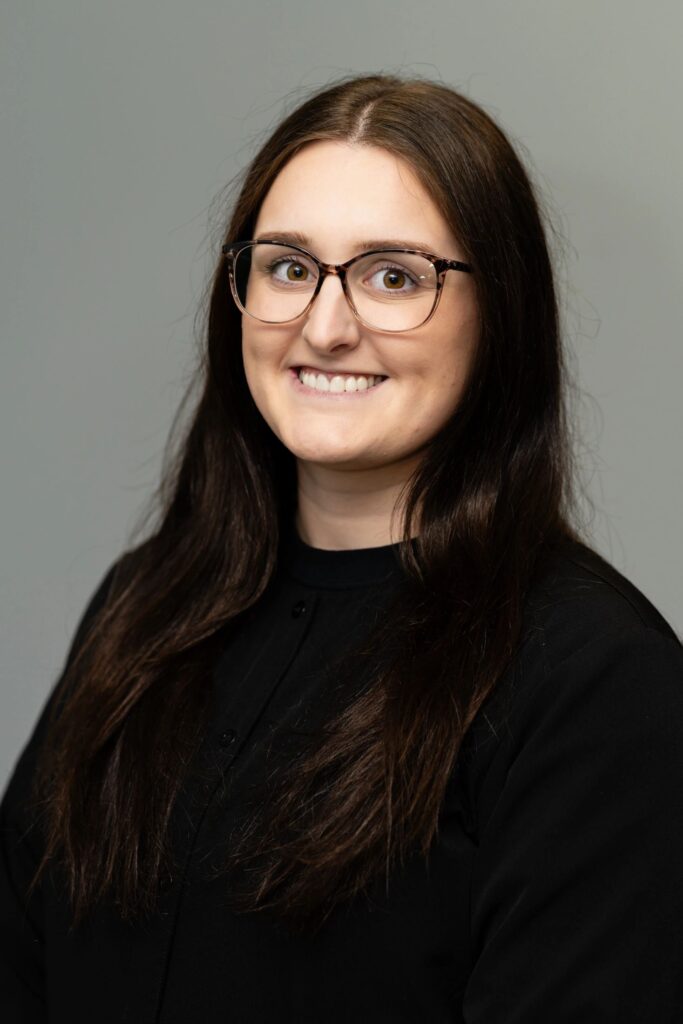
point(295, 270)
point(390, 277)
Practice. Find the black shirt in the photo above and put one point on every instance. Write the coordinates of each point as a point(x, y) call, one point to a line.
point(554, 892)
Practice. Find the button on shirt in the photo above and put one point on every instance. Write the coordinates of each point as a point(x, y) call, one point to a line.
point(553, 891)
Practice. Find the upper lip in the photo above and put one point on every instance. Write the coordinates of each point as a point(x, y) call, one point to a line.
point(357, 373)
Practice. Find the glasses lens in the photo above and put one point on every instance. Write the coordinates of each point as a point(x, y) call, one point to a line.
point(393, 291)
point(273, 281)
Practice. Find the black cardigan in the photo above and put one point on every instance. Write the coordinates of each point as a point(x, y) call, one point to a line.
point(554, 892)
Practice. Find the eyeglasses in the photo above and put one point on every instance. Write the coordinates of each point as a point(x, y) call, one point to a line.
point(387, 289)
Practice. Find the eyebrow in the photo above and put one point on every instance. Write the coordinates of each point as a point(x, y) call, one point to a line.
point(297, 238)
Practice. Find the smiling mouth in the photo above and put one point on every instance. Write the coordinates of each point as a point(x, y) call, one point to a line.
point(326, 382)
point(338, 373)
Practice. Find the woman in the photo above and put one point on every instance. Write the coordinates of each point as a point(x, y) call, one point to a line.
point(363, 730)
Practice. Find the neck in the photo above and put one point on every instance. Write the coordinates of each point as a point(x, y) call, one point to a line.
point(339, 509)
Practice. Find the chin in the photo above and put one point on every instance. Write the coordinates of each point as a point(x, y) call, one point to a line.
point(341, 457)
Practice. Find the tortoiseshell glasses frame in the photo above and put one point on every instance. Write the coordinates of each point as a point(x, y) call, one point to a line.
point(441, 264)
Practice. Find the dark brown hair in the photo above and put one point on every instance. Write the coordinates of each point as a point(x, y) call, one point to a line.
point(493, 493)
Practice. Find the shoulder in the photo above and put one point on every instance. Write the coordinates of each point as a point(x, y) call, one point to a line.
point(598, 673)
point(17, 788)
point(577, 596)
point(591, 635)
point(582, 617)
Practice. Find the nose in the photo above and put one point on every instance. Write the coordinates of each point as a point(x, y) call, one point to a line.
point(330, 321)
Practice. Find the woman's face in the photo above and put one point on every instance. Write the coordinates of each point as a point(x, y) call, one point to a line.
point(338, 194)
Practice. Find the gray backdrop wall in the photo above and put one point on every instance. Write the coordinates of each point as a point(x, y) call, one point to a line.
point(121, 122)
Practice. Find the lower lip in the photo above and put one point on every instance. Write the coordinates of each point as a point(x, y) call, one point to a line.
point(331, 395)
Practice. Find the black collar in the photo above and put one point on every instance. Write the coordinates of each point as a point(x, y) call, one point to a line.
point(336, 569)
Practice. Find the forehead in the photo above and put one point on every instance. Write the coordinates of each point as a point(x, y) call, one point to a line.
point(338, 195)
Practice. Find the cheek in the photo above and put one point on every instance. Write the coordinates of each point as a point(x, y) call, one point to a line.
point(437, 410)
point(253, 361)
point(445, 382)
point(263, 350)
point(264, 358)
point(458, 356)
point(258, 357)
point(252, 349)
point(250, 373)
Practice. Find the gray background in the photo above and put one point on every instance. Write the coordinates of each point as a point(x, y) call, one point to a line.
point(121, 123)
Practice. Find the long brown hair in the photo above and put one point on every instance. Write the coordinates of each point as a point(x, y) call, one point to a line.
point(494, 492)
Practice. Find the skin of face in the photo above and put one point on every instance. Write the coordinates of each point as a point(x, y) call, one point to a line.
point(353, 456)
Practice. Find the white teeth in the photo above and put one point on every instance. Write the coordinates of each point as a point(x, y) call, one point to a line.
point(338, 383)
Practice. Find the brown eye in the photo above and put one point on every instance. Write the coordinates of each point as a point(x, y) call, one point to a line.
point(296, 272)
point(289, 270)
point(394, 278)
point(388, 278)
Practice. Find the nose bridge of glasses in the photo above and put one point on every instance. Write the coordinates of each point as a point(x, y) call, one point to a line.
point(338, 271)
point(332, 270)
